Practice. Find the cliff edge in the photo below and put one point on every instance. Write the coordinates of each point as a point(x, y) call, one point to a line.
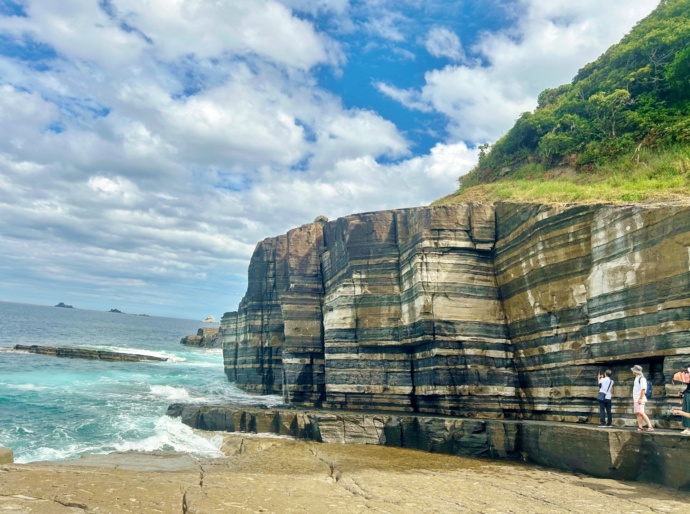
point(474, 310)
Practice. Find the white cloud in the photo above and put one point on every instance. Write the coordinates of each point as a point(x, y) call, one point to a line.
point(211, 29)
point(386, 25)
point(442, 42)
point(545, 47)
point(410, 98)
point(23, 115)
point(132, 183)
point(68, 24)
point(173, 29)
point(349, 135)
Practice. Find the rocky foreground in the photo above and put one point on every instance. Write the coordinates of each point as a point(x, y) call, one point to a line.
point(659, 457)
point(284, 475)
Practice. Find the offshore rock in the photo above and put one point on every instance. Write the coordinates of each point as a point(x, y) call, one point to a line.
point(82, 353)
point(204, 338)
point(473, 310)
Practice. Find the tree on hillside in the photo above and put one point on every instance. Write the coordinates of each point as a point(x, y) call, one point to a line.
point(636, 93)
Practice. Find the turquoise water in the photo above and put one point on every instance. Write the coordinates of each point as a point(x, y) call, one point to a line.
point(56, 408)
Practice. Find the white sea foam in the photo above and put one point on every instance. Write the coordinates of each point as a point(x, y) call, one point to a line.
point(216, 365)
point(171, 393)
point(152, 353)
point(55, 454)
point(41, 454)
point(25, 387)
point(172, 435)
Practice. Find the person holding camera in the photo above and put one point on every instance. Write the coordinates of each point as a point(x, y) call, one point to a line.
point(604, 398)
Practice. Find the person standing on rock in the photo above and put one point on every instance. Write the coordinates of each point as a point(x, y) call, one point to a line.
point(686, 408)
point(640, 398)
point(605, 389)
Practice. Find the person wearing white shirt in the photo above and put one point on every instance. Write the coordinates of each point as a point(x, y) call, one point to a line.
point(640, 398)
point(605, 388)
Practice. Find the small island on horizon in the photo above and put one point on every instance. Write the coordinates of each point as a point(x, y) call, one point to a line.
point(64, 305)
point(118, 311)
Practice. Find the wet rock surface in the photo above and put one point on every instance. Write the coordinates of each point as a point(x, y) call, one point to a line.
point(278, 475)
point(83, 353)
point(204, 338)
point(658, 457)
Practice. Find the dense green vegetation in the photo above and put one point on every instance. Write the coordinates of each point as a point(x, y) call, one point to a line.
point(629, 107)
point(642, 176)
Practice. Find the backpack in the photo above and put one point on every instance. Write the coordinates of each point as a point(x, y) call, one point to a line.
point(648, 391)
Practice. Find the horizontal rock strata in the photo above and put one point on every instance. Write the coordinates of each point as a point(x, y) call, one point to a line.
point(608, 453)
point(82, 353)
point(505, 311)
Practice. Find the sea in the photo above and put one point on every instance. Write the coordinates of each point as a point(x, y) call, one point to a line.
point(55, 408)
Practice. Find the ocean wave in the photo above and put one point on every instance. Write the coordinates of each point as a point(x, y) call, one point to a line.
point(171, 392)
point(59, 454)
point(172, 435)
point(25, 387)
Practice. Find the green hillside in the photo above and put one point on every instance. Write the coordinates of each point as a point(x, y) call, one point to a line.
point(620, 131)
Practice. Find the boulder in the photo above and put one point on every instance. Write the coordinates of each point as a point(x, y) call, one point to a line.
point(6, 456)
point(204, 338)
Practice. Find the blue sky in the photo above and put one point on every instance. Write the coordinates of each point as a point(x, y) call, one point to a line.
point(148, 146)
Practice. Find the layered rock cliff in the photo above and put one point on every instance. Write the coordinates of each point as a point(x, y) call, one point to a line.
point(473, 310)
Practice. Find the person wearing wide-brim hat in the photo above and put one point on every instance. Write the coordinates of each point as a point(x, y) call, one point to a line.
point(640, 398)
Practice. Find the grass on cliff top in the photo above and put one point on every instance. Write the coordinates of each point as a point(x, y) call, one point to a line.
point(643, 177)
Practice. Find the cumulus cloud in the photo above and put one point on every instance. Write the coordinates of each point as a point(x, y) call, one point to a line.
point(442, 42)
point(120, 31)
point(544, 48)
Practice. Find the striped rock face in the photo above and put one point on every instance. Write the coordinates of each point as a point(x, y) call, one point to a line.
point(473, 310)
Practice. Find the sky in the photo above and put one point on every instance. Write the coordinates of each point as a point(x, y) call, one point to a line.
point(148, 145)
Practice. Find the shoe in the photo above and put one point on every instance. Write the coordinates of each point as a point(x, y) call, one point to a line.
point(685, 432)
point(608, 425)
point(602, 426)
